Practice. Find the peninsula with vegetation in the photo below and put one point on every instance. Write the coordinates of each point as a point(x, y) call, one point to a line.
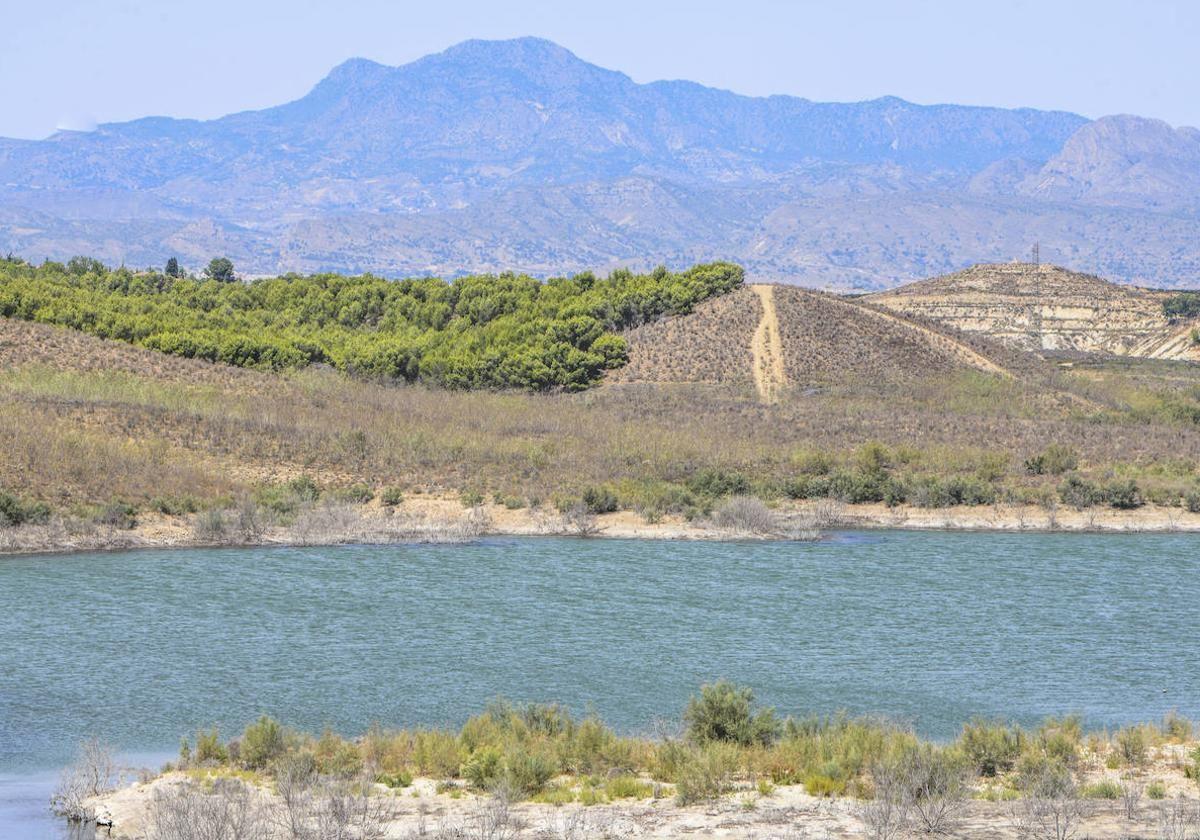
point(162, 407)
point(727, 768)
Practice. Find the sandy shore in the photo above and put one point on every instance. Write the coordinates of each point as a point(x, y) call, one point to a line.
point(433, 519)
point(786, 812)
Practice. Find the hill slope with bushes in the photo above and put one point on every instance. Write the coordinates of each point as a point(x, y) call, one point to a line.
point(474, 332)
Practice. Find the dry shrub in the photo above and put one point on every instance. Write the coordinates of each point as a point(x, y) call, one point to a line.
point(1050, 807)
point(92, 773)
point(227, 810)
point(746, 515)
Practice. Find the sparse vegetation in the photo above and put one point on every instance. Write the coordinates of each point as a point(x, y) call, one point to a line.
point(1045, 781)
point(94, 427)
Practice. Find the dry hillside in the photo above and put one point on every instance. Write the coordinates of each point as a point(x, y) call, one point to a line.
point(1044, 307)
point(84, 421)
point(710, 345)
point(824, 339)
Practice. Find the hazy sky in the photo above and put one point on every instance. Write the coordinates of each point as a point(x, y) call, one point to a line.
point(70, 62)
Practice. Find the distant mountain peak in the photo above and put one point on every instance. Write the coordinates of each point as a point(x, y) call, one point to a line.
point(499, 154)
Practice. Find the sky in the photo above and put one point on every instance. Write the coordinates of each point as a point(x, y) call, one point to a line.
point(72, 63)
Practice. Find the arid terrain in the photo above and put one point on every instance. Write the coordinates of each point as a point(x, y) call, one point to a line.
point(1044, 307)
point(933, 406)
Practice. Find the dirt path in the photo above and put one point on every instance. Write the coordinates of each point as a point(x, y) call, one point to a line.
point(954, 348)
point(767, 347)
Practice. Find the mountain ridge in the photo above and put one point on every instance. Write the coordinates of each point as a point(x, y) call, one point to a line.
point(517, 154)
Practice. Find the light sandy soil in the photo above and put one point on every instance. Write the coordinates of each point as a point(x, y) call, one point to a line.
point(787, 812)
point(770, 377)
point(440, 519)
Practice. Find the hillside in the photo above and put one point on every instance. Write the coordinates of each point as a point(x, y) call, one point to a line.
point(775, 391)
point(1047, 308)
point(507, 331)
point(518, 155)
point(822, 340)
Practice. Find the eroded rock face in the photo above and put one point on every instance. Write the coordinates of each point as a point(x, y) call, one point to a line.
point(1047, 308)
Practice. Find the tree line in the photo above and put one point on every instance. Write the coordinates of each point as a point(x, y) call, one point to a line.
point(482, 331)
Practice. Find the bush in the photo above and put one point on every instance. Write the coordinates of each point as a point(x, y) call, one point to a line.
point(527, 771)
point(1055, 460)
point(1104, 789)
point(1181, 305)
point(484, 769)
point(858, 488)
point(628, 787)
point(392, 496)
point(261, 743)
point(725, 712)
point(600, 500)
point(1079, 493)
point(117, 515)
point(1123, 495)
point(15, 512)
point(991, 748)
point(175, 505)
point(401, 779)
point(1133, 745)
point(932, 492)
point(471, 498)
point(746, 515)
point(705, 773)
point(715, 483)
point(288, 498)
point(209, 749)
point(823, 786)
point(358, 494)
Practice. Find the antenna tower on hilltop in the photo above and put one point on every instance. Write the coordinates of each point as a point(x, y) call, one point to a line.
point(1037, 257)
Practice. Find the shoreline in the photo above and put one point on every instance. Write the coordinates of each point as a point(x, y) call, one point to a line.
point(446, 520)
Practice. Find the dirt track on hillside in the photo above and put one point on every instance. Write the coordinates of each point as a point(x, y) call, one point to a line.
point(769, 374)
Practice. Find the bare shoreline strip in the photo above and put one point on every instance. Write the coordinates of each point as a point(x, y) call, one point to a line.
point(431, 520)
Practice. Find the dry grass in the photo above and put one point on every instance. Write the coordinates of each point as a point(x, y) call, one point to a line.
point(83, 421)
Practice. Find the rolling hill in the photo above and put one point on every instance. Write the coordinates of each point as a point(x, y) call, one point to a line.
point(518, 155)
point(822, 340)
point(1047, 308)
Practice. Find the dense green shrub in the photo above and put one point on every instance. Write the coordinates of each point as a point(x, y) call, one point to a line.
point(932, 492)
point(14, 511)
point(600, 500)
point(261, 743)
point(209, 749)
point(1182, 305)
point(991, 748)
point(289, 497)
point(392, 496)
point(1123, 495)
point(716, 483)
point(175, 505)
point(725, 712)
point(1079, 493)
point(475, 332)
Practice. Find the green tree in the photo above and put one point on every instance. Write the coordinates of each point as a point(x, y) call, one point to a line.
point(172, 267)
point(220, 269)
point(725, 712)
point(85, 265)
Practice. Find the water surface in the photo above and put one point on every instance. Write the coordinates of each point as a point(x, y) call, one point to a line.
point(931, 628)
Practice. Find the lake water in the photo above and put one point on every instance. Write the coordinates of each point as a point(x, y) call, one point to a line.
point(141, 648)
